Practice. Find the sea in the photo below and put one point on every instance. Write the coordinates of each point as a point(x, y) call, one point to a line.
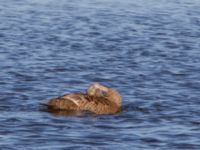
point(148, 50)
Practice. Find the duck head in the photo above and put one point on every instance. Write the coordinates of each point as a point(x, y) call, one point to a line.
point(99, 90)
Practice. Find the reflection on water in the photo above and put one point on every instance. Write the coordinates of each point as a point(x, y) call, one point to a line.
point(148, 50)
point(63, 112)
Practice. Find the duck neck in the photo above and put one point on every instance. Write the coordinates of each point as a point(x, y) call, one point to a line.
point(115, 97)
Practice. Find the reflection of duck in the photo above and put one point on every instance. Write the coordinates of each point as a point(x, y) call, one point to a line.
point(98, 99)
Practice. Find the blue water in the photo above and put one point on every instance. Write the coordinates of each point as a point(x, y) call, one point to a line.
point(148, 50)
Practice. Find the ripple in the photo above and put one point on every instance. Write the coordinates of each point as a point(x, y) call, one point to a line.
point(149, 53)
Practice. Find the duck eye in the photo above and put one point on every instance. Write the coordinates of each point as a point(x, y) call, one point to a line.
point(104, 93)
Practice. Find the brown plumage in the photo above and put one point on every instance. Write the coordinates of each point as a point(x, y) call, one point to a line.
point(98, 99)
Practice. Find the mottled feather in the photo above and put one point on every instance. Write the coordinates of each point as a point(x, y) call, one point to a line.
point(98, 99)
point(80, 101)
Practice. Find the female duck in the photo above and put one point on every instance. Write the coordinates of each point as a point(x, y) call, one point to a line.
point(98, 99)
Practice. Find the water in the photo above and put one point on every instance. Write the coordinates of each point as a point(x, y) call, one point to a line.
point(148, 50)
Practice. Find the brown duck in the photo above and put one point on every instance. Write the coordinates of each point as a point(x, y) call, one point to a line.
point(98, 99)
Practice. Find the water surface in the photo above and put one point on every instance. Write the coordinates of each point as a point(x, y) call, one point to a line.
point(148, 50)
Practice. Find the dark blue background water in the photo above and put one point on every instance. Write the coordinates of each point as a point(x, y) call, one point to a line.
point(148, 50)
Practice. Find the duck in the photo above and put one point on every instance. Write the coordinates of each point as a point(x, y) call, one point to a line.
point(97, 99)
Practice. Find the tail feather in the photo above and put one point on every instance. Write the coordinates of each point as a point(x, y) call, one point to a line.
point(45, 107)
